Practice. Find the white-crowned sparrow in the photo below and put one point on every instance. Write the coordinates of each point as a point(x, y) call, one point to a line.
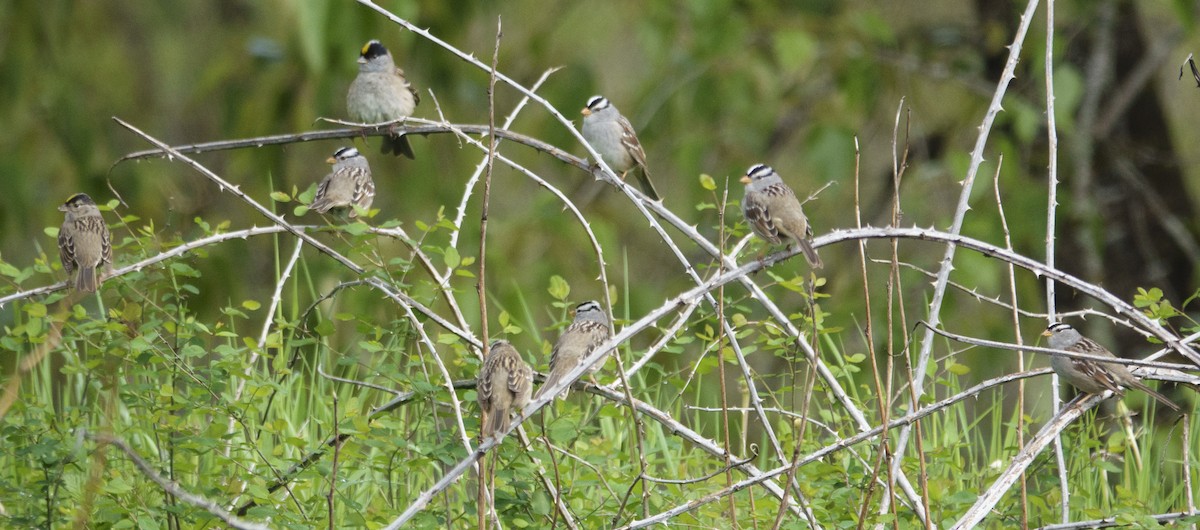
point(1090, 376)
point(84, 243)
point(582, 336)
point(613, 138)
point(381, 93)
point(503, 386)
point(774, 213)
point(347, 186)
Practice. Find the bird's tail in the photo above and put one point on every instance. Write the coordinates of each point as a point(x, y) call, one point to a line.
point(1161, 398)
point(643, 177)
point(397, 145)
point(321, 206)
point(85, 280)
point(551, 380)
point(810, 254)
point(497, 421)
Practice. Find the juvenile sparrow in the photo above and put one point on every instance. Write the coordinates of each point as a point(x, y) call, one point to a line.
point(381, 93)
point(503, 386)
point(582, 336)
point(774, 213)
point(84, 243)
point(612, 136)
point(347, 186)
point(1090, 376)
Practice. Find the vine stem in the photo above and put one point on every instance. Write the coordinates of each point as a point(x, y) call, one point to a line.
point(485, 476)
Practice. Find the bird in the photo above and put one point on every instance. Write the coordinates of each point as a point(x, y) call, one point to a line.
point(503, 386)
point(613, 138)
point(348, 185)
point(381, 93)
point(84, 243)
point(588, 330)
point(1090, 376)
point(774, 213)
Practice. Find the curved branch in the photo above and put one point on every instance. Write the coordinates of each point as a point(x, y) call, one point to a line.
point(839, 445)
point(222, 185)
point(1118, 305)
point(158, 258)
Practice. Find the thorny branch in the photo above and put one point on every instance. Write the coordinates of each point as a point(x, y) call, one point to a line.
point(683, 305)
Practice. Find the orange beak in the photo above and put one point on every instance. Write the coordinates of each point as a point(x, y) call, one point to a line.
point(586, 111)
point(1046, 333)
point(745, 179)
point(330, 160)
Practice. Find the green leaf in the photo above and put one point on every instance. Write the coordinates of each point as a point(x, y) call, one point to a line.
point(451, 257)
point(707, 182)
point(559, 288)
point(541, 504)
point(1146, 298)
point(252, 305)
point(356, 229)
point(34, 326)
point(957, 368)
point(36, 310)
point(279, 196)
point(8, 270)
point(325, 328)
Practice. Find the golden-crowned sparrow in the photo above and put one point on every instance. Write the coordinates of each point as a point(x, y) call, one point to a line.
point(381, 93)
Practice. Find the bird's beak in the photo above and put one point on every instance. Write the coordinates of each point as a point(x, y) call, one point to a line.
point(745, 179)
point(362, 60)
point(586, 111)
point(330, 160)
point(1046, 333)
point(62, 208)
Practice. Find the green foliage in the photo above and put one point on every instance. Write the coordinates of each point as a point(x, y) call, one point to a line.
point(231, 379)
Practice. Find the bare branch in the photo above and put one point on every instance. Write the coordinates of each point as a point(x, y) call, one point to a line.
point(222, 185)
point(947, 264)
point(173, 489)
point(839, 445)
point(1024, 458)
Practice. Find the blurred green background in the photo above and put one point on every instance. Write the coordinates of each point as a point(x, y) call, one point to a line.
point(712, 86)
